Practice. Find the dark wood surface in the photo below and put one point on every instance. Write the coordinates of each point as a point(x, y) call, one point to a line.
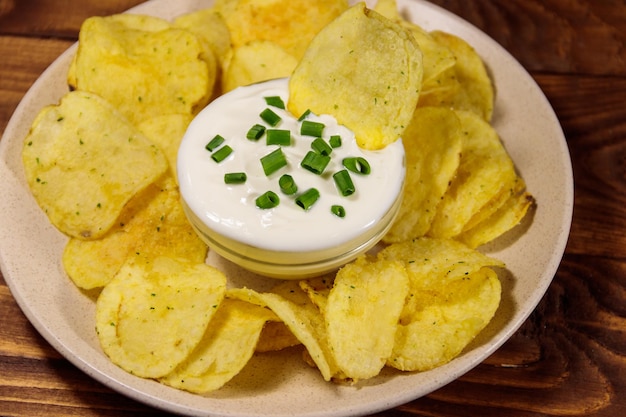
point(569, 358)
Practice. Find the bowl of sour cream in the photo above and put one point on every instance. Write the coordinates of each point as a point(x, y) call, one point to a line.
point(285, 196)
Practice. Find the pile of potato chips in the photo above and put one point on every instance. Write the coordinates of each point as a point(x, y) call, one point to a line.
point(102, 165)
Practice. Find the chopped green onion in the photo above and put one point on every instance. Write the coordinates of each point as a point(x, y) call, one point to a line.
point(275, 101)
point(315, 162)
point(344, 183)
point(304, 115)
point(255, 132)
point(335, 141)
point(358, 165)
point(235, 177)
point(278, 137)
point(270, 117)
point(310, 128)
point(214, 143)
point(287, 184)
point(320, 146)
point(308, 198)
point(222, 153)
point(338, 211)
point(273, 161)
point(267, 200)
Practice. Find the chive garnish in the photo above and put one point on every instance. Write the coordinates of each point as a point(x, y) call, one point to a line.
point(358, 165)
point(270, 117)
point(338, 211)
point(273, 161)
point(308, 198)
point(222, 153)
point(214, 143)
point(255, 132)
point(235, 177)
point(275, 101)
point(335, 141)
point(315, 162)
point(287, 184)
point(278, 137)
point(304, 115)
point(267, 200)
point(344, 183)
point(320, 146)
point(310, 128)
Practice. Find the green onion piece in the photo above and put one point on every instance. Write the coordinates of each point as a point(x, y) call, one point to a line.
point(273, 161)
point(278, 137)
point(310, 128)
point(338, 211)
point(255, 132)
point(275, 101)
point(344, 183)
point(308, 198)
point(267, 200)
point(235, 177)
point(358, 165)
point(287, 184)
point(315, 162)
point(320, 146)
point(214, 143)
point(304, 115)
point(335, 141)
point(222, 153)
point(270, 117)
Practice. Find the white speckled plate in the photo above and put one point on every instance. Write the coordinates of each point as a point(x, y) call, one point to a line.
point(281, 384)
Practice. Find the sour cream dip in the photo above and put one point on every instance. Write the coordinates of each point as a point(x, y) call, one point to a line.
point(291, 240)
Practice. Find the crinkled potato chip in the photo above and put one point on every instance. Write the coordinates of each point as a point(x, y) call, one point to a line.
point(151, 316)
point(366, 71)
point(289, 23)
point(152, 224)
point(484, 170)
point(317, 289)
point(84, 161)
point(276, 336)
point(157, 68)
point(254, 62)
point(432, 143)
point(226, 347)
point(362, 315)
point(208, 25)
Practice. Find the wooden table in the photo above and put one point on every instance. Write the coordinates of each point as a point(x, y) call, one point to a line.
point(569, 358)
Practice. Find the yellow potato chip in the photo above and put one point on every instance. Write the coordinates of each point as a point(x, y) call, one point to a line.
point(254, 62)
point(362, 315)
point(84, 161)
point(158, 69)
point(289, 23)
point(363, 69)
point(433, 144)
point(226, 347)
point(484, 170)
point(152, 224)
point(276, 336)
point(208, 25)
point(448, 318)
point(151, 316)
point(317, 289)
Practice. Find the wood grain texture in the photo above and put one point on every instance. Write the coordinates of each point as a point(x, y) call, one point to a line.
point(569, 357)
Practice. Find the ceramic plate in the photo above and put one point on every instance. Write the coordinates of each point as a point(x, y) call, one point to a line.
point(281, 384)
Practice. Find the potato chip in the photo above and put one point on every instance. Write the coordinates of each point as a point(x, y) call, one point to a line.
point(484, 170)
point(208, 25)
point(432, 144)
point(151, 316)
point(362, 314)
point(158, 69)
point(292, 24)
point(152, 224)
point(317, 289)
point(448, 318)
point(254, 62)
point(363, 69)
point(226, 347)
point(276, 336)
point(83, 161)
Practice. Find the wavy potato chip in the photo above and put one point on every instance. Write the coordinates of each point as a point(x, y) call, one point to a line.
point(83, 161)
point(151, 316)
point(432, 143)
point(366, 71)
point(276, 336)
point(226, 347)
point(152, 224)
point(208, 25)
